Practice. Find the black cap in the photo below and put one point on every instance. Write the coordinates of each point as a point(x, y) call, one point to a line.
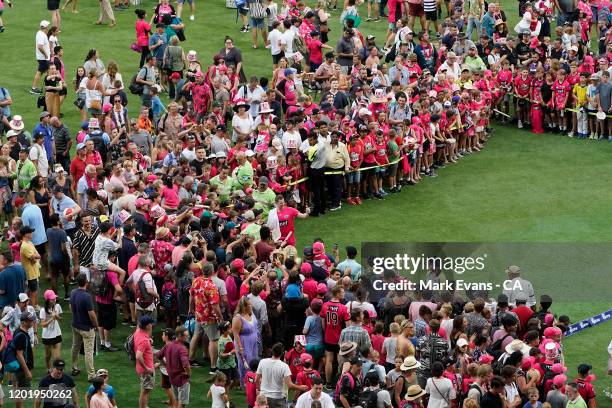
point(502, 298)
point(356, 361)
point(25, 230)
point(309, 14)
point(545, 299)
point(59, 363)
point(584, 369)
point(222, 128)
point(308, 251)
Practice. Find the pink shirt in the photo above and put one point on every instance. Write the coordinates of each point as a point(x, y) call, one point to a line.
point(142, 343)
point(413, 311)
point(108, 298)
point(286, 219)
point(142, 33)
point(170, 195)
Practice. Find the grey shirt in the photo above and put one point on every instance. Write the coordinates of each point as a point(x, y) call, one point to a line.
point(143, 140)
point(259, 310)
point(605, 94)
point(346, 47)
point(146, 73)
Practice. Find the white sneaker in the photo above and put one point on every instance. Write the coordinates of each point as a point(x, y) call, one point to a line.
point(520, 124)
point(570, 134)
point(192, 17)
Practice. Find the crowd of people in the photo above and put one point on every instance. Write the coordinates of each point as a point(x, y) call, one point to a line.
point(182, 216)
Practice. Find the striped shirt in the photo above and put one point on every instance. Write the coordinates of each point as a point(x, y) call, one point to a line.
point(85, 245)
point(430, 5)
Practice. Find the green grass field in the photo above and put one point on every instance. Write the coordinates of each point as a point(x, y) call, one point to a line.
point(522, 188)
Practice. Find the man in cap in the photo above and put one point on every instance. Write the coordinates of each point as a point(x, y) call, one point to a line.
point(461, 45)
point(44, 127)
point(86, 182)
point(38, 155)
point(516, 285)
point(264, 197)
point(345, 49)
point(473, 60)
point(43, 54)
point(146, 75)
point(451, 65)
point(61, 383)
point(24, 353)
point(350, 385)
point(66, 208)
point(25, 172)
point(143, 348)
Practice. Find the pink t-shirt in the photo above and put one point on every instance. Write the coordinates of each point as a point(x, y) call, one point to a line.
point(315, 53)
point(108, 298)
point(142, 33)
point(286, 219)
point(170, 195)
point(413, 311)
point(142, 343)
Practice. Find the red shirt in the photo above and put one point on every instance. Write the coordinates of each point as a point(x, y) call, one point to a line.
point(377, 341)
point(142, 343)
point(522, 86)
point(162, 254)
point(93, 158)
point(381, 152)
point(586, 390)
point(206, 295)
point(286, 219)
point(334, 315)
point(176, 359)
point(108, 298)
point(250, 385)
point(315, 53)
point(523, 313)
point(355, 154)
point(307, 377)
point(369, 143)
point(201, 95)
point(77, 168)
point(292, 358)
point(309, 288)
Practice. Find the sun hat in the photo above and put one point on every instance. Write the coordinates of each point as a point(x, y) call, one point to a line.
point(264, 107)
point(414, 391)
point(347, 347)
point(241, 103)
point(161, 232)
point(410, 363)
point(192, 55)
point(517, 345)
point(49, 295)
point(17, 123)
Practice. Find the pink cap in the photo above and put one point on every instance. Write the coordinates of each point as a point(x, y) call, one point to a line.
point(559, 380)
point(151, 178)
point(107, 107)
point(321, 289)
point(558, 368)
point(49, 295)
point(238, 264)
point(549, 332)
point(305, 357)
point(306, 269)
point(199, 74)
point(141, 202)
point(318, 248)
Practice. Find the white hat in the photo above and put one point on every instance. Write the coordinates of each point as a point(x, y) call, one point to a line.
point(462, 342)
point(221, 154)
point(44, 24)
point(17, 123)
point(264, 107)
point(365, 112)
point(23, 297)
point(249, 153)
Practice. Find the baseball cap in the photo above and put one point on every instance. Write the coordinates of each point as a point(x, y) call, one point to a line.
point(238, 264)
point(559, 380)
point(43, 114)
point(141, 201)
point(321, 289)
point(175, 75)
point(44, 24)
point(462, 342)
point(28, 317)
point(305, 358)
point(145, 321)
point(23, 297)
point(59, 363)
point(49, 295)
point(80, 146)
point(502, 298)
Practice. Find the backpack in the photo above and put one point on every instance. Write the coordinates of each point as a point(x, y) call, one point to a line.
point(299, 45)
point(129, 348)
point(135, 87)
point(99, 144)
point(339, 386)
point(495, 349)
point(9, 355)
point(98, 281)
point(369, 399)
point(168, 299)
point(464, 396)
point(143, 298)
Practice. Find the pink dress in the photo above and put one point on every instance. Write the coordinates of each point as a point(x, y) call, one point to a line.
point(142, 33)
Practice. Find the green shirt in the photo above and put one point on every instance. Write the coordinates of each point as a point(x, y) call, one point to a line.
point(26, 171)
point(252, 230)
point(577, 403)
point(225, 362)
point(224, 188)
point(244, 175)
point(264, 201)
point(474, 63)
point(393, 152)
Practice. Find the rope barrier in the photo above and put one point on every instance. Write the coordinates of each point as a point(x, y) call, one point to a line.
point(342, 172)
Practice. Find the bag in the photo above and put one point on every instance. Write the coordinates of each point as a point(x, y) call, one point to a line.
point(369, 399)
point(135, 47)
point(95, 104)
point(99, 144)
point(128, 346)
point(41, 102)
point(168, 299)
point(181, 35)
point(299, 45)
point(257, 10)
point(495, 349)
point(143, 298)
point(9, 355)
point(98, 282)
point(137, 88)
point(464, 396)
point(79, 103)
point(339, 386)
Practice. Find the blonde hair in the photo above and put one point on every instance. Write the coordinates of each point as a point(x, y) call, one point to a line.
point(394, 328)
point(399, 319)
point(470, 403)
point(446, 309)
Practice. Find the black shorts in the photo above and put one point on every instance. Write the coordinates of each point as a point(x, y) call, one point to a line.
point(107, 316)
point(53, 341)
point(33, 285)
point(53, 5)
point(41, 248)
point(129, 294)
point(431, 15)
point(230, 374)
point(22, 381)
point(59, 268)
point(165, 382)
point(276, 58)
point(332, 348)
point(43, 66)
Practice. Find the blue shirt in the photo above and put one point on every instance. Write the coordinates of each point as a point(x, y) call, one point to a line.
point(488, 24)
point(158, 53)
point(108, 390)
point(105, 138)
point(32, 217)
point(48, 141)
point(171, 160)
point(157, 106)
point(355, 268)
point(12, 280)
point(315, 330)
point(4, 94)
point(59, 206)
point(57, 237)
point(80, 305)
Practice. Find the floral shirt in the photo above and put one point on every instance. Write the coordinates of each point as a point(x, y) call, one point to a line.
point(201, 94)
point(205, 295)
point(162, 255)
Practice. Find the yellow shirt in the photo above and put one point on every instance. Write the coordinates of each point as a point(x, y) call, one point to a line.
point(580, 92)
point(32, 267)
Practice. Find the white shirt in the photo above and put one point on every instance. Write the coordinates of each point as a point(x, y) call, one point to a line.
point(275, 37)
point(291, 139)
point(288, 37)
point(252, 96)
point(37, 152)
point(305, 401)
point(273, 373)
point(42, 39)
point(53, 329)
point(189, 154)
point(217, 392)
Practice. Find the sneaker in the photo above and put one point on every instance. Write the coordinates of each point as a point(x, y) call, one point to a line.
point(369, 19)
point(133, 324)
point(192, 17)
point(520, 124)
point(358, 201)
point(383, 192)
point(244, 29)
point(350, 201)
point(570, 134)
point(1, 29)
point(213, 371)
point(75, 372)
point(335, 208)
point(111, 348)
point(194, 363)
point(35, 91)
point(66, 297)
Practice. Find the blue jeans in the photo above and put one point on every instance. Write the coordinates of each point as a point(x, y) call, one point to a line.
point(473, 21)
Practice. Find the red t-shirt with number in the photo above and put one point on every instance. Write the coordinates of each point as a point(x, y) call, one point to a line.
point(334, 314)
point(286, 219)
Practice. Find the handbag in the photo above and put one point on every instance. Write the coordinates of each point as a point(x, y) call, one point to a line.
point(181, 35)
point(95, 104)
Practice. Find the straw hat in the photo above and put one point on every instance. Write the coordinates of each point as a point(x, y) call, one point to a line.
point(410, 363)
point(414, 391)
point(347, 348)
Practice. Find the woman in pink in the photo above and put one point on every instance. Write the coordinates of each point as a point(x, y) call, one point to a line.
point(99, 399)
point(169, 195)
point(142, 34)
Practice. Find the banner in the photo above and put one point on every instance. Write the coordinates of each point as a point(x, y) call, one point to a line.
point(590, 322)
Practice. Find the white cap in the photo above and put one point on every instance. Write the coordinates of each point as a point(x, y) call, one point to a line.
point(23, 297)
point(44, 24)
point(249, 153)
point(462, 342)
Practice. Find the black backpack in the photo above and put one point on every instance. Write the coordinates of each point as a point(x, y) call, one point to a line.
point(368, 399)
point(495, 349)
point(99, 144)
point(129, 348)
point(464, 396)
point(135, 87)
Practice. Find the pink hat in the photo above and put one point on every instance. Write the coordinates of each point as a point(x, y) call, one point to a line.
point(151, 178)
point(238, 264)
point(559, 380)
point(199, 74)
point(549, 332)
point(305, 357)
point(49, 295)
point(306, 269)
point(107, 107)
point(549, 319)
point(321, 289)
point(141, 202)
point(558, 368)
point(318, 248)
point(486, 359)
